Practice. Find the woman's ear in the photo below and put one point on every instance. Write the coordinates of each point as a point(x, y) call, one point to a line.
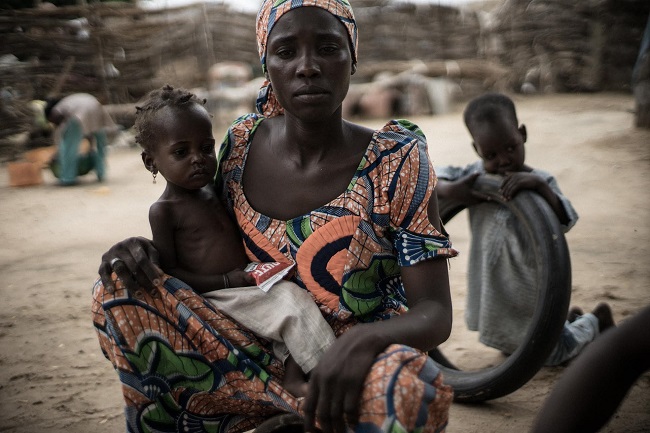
point(522, 131)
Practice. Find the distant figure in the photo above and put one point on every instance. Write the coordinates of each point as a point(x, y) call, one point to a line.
point(501, 293)
point(592, 388)
point(641, 81)
point(76, 117)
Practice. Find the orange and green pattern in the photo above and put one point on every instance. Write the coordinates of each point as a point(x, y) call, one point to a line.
point(348, 252)
point(185, 367)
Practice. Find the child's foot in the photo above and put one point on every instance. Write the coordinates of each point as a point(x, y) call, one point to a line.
point(603, 313)
point(574, 313)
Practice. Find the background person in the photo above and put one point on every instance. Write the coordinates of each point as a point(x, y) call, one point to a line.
point(76, 117)
point(592, 388)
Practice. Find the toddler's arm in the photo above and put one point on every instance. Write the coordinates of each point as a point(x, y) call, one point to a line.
point(207, 283)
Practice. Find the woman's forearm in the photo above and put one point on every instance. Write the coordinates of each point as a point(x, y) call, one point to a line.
point(424, 327)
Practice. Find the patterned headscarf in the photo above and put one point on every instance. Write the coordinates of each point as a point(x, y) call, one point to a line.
point(269, 14)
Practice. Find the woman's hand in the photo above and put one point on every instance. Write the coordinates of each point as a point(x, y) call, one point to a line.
point(335, 385)
point(134, 261)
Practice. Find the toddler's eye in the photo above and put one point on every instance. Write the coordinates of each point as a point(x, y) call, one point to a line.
point(207, 148)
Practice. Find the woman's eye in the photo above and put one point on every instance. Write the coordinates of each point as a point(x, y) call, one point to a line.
point(283, 53)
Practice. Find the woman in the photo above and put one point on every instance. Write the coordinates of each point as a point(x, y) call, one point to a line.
point(352, 207)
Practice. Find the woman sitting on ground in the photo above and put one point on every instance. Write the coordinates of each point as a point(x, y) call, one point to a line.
point(352, 207)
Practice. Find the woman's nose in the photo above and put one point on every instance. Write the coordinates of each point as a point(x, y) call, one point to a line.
point(308, 67)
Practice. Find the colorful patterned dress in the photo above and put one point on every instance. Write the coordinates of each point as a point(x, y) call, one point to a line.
point(186, 367)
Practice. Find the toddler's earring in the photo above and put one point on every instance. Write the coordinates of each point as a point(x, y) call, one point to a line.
point(154, 174)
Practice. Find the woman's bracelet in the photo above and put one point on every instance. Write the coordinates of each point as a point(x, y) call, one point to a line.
point(226, 281)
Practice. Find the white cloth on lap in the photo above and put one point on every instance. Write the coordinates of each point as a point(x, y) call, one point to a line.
point(286, 315)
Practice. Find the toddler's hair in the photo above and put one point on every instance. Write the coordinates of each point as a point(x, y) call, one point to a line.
point(166, 96)
point(488, 108)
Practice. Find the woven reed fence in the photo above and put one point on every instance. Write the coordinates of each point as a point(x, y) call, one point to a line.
point(554, 45)
point(562, 45)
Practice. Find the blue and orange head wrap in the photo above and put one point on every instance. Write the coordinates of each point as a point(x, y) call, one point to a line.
point(269, 14)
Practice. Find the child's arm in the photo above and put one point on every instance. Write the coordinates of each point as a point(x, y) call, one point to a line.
point(515, 182)
point(208, 283)
point(460, 190)
point(160, 217)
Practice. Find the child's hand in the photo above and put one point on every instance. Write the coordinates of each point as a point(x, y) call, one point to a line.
point(240, 278)
point(462, 190)
point(515, 182)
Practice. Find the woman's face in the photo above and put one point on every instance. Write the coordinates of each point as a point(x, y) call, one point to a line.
point(309, 62)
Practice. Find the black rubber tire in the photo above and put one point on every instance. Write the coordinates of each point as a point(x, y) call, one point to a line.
point(547, 238)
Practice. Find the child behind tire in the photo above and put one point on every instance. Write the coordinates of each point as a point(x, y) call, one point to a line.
point(502, 280)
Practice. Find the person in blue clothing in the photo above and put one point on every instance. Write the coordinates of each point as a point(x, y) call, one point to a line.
point(501, 293)
point(76, 117)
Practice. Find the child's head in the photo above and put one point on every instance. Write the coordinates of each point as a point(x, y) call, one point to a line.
point(498, 139)
point(175, 132)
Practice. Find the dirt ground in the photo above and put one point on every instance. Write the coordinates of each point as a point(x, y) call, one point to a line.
point(53, 376)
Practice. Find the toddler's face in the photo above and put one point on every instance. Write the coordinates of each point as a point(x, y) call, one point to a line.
point(501, 147)
point(185, 153)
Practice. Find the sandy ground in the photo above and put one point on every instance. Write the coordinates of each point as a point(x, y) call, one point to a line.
point(53, 376)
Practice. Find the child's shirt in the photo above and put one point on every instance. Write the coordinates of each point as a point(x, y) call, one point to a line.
point(502, 270)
